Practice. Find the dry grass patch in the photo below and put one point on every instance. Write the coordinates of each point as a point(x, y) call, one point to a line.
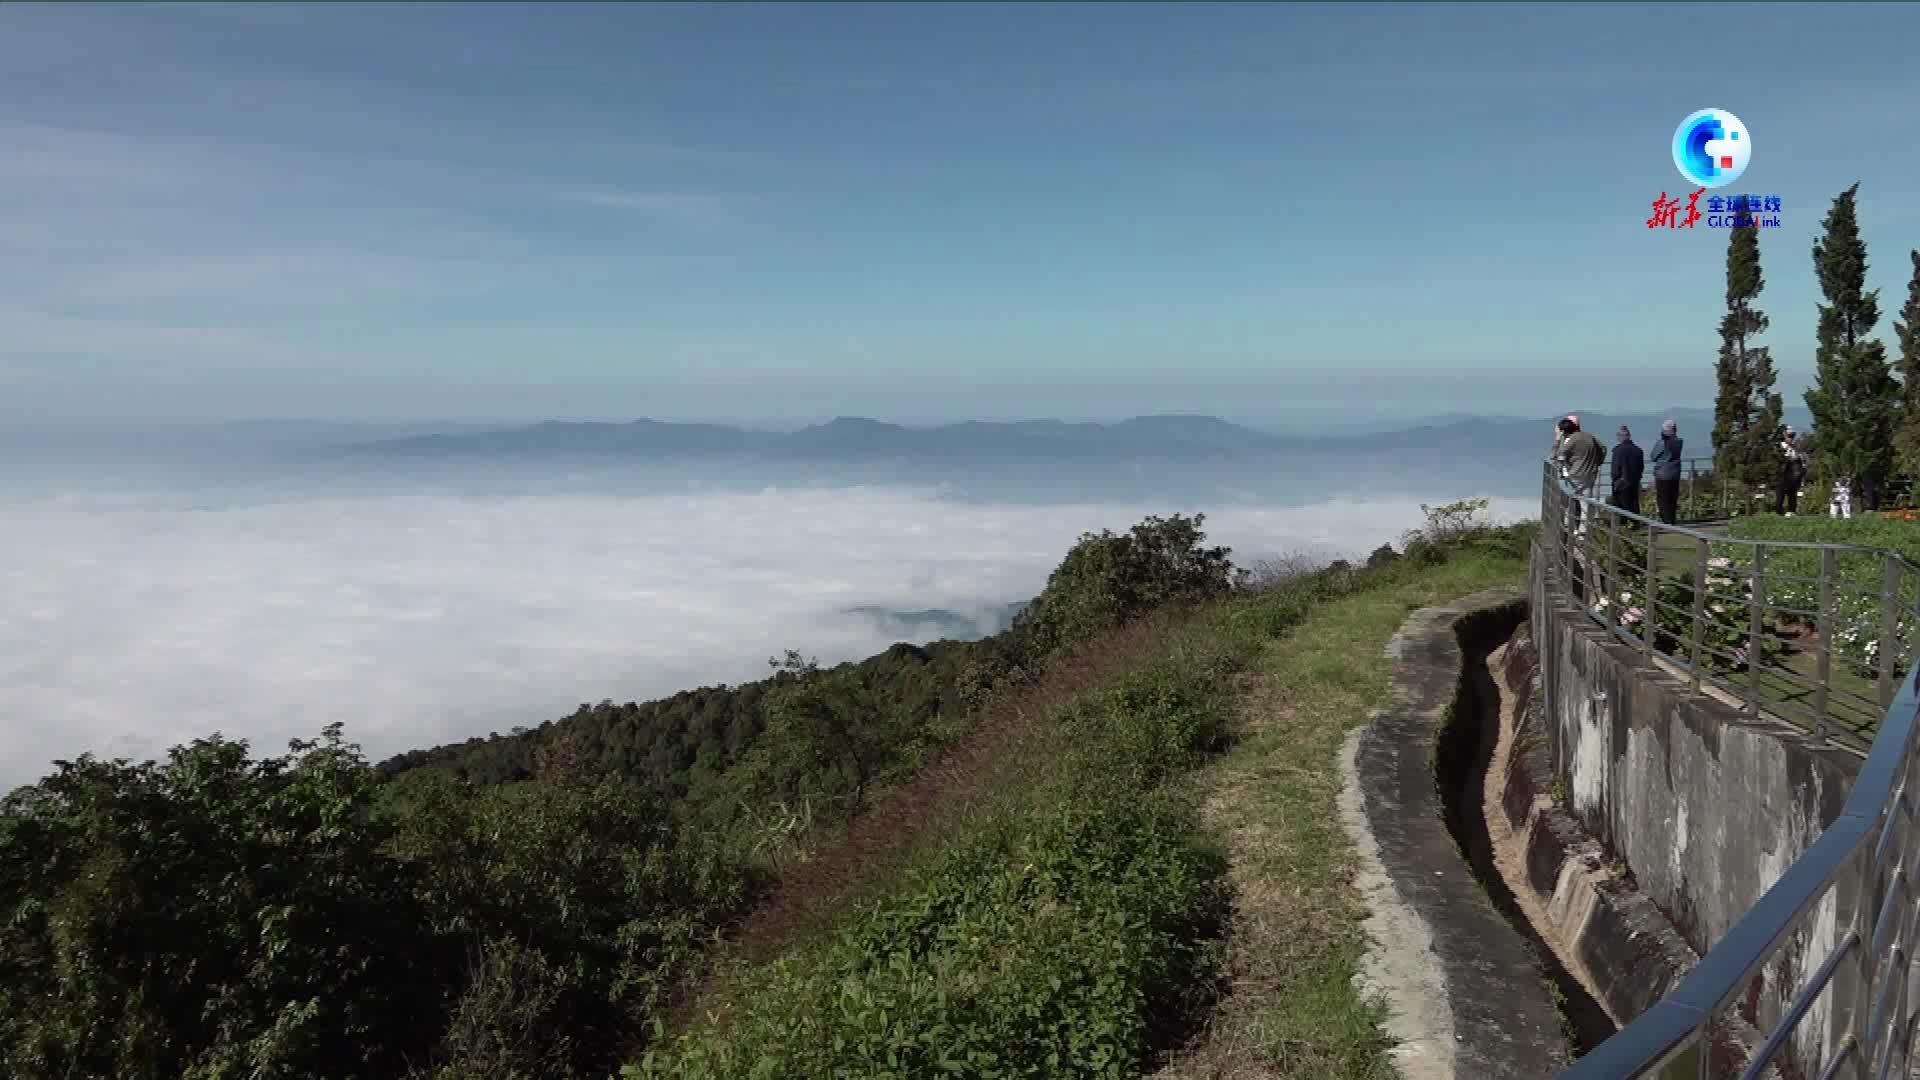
point(1292, 1009)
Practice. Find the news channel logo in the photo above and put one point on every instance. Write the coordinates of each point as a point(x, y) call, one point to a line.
point(1711, 148)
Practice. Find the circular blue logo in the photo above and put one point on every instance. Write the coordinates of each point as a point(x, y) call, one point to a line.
point(1711, 148)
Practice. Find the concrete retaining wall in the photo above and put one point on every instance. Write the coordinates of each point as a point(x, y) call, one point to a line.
point(1706, 808)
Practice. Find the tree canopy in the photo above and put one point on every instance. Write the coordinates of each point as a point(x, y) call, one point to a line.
point(1746, 410)
point(1853, 399)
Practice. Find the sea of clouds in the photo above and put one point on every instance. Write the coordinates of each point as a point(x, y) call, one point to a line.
point(135, 620)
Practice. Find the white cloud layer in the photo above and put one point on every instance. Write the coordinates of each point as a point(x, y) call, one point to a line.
point(130, 624)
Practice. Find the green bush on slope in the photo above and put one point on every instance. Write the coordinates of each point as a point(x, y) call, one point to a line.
point(214, 916)
point(1074, 927)
point(1042, 941)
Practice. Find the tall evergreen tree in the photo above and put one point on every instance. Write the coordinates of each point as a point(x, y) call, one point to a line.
point(1907, 329)
point(1854, 398)
point(1746, 410)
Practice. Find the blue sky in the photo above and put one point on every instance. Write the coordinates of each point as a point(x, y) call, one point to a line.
point(914, 211)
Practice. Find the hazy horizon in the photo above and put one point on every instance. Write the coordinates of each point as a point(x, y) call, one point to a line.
point(1280, 403)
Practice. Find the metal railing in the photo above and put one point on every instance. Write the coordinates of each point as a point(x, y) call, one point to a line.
point(1818, 635)
point(1708, 495)
point(1854, 889)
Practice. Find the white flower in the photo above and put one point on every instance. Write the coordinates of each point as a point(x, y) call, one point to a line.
point(1719, 562)
point(1719, 609)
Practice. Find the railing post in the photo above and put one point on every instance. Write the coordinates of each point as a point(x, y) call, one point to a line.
point(1865, 914)
point(1557, 527)
point(1823, 624)
point(1653, 590)
point(1612, 590)
point(1889, 626)
point(1697, 645)
point(1912, 652)
point(1759, 605)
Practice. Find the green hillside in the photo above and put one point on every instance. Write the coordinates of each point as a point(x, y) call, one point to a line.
point(1147, 845)
point(562, 900)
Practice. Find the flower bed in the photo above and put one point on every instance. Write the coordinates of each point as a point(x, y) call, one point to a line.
point(1853, 626)
point(1725, 622)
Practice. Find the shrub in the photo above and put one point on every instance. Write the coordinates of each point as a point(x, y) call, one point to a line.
point(509, 1023)
point(1275, 572)
point(1459, 526)
point(1451, 522)
point(1058, 935)
point(217, 916)
point(1108, 579)
point(210, 916)
point(1853, 625)
point(605, 902)
point(1725, 623)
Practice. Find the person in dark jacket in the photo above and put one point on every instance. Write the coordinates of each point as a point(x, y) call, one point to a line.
point(1629, 465)
point(1793, 470)
point(1666, 472)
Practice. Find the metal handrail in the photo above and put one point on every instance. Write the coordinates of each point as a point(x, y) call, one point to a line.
point(1866, 859)
point(1727, 497)
point(1873, 629)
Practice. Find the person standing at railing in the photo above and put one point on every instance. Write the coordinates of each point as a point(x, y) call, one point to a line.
point(1666, 472)
point(1581, 455)
point(1560, 436)
point(1629, 466)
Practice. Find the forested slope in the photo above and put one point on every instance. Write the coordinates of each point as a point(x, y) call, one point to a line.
point(521, 906)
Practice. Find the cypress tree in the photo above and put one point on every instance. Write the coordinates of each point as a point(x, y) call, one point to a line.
point(1854, 398)
point(1746, 410)
point(1907, 329)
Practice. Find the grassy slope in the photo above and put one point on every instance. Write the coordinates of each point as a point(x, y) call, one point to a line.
point(1065, 925)
point(1292, 1009)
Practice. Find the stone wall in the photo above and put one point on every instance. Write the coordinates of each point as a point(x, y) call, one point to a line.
point(1705, 807)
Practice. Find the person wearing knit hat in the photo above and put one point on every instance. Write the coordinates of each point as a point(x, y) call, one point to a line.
point(1666, 472)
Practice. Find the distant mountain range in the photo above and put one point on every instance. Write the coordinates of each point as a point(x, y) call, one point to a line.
point(1187, 437)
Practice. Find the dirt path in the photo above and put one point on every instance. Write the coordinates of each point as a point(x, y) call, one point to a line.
point(809, 894)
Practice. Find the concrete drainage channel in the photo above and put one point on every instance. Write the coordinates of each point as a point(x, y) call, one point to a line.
point(1473, 739)
point(1485, 895)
